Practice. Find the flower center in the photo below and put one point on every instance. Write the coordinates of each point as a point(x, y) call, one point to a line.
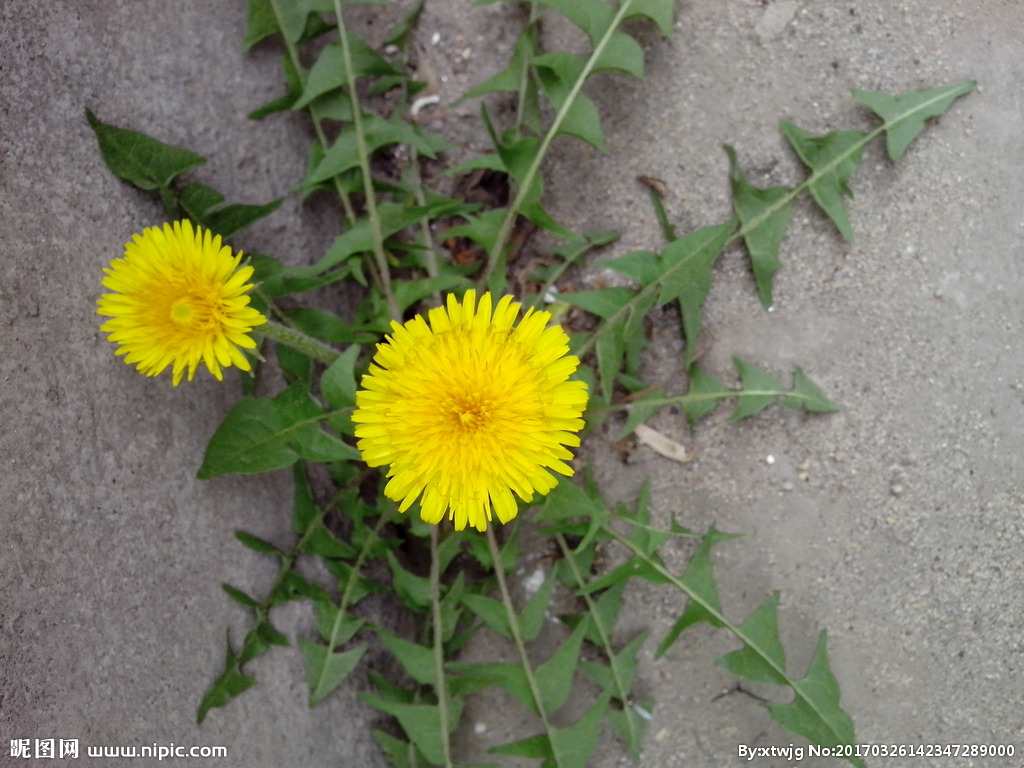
point(472, 411)
point(193, 311)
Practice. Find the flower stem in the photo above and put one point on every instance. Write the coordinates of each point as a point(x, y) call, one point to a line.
point(376, 231)
point(440, 684)
point(299, 341)
point(517, 637)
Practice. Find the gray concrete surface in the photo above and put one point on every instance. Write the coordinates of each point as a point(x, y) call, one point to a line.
point(895, 525)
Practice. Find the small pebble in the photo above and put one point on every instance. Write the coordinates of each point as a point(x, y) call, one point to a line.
point(769, 459)
point(895, 489)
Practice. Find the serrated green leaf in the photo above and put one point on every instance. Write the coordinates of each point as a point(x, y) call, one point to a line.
point(231, 219)
point(699, 578)
point(764, 215)
point(638, 411)
point(338, 382)
point(230, 683)
point(257, 544)
point(758, 390)
point(138, 159)
point(574, 746)
point(260, 435)
point(533, 747)
point(531, 620)
point(642, 266)
point(328, 71)
point(705, 393)
point(768, 663)
point(261, 22)
point(422, 723)
point(356, 585)
point(603, 303)
point(658, 11)
point(558, 73)
point(592, 16)
point(325, 670)
point(905, 115)
point(808, 396)
point(343, 154)
point(414, 590)
point(396, 751)
point(417, 660)
point(686, 276)
point(554, 677)
point(490, 612)
point(511, 78)
point(475, 677)
point(833, 159)
point(336, 626)
point(239, 596)
point(622, 54)
point(815, 713)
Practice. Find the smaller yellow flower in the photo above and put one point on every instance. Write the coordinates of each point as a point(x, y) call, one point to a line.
point(179, 298)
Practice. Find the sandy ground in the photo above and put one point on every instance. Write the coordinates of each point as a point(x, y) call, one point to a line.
point(895, 525)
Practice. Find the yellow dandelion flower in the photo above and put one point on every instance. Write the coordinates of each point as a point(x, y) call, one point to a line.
point(179, 299)
point(466, 407)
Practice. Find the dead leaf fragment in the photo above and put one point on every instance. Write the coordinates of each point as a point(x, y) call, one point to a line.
point(662, 445)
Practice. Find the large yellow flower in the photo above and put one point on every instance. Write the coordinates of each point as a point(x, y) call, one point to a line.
point(469, 407)
point(179, 299)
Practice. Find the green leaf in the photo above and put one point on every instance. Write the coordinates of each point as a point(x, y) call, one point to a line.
point(260, 435)
point(686, 276)
point(138, 159)
point(328, 72)
point(422, 723)
point(603, 303)
point(815, 713)
point(417, 660)
point(326, 670)
point(764, 215)
point(833, 158)
point(658, 11)
point(511, 78)
point(699, 579)
point(808, 396)
point(554, 677)
point(476, 677)
point(758, 390)
point(905, 115)
point(414, 590)
point(533, 747)
point(558, 74)
point(261, 22)
point(257, 544)
point(239, 596)
point(531, 620)
point(574, 746)
point(637, 412)
point(338, 382)
point(592, 16)
point(768, 663)
point(703, 395)
point(230, 683)
point(490, 612)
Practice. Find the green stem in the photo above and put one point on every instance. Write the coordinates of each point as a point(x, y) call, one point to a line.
point(293, 55)
point(440, 683)
point(517, 638)
point(376, 233)
point(526, 184)
point(702, 397)
point(299, 341)
point(620, 686)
